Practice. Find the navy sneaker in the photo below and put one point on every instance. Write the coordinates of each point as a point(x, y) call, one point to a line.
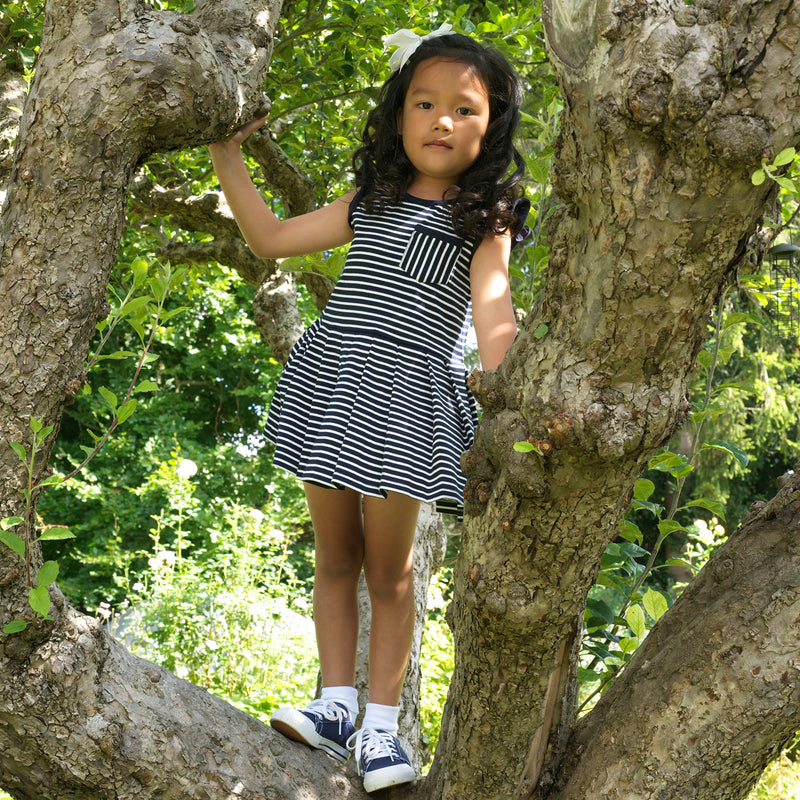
point(380, 759)
point(322, 724)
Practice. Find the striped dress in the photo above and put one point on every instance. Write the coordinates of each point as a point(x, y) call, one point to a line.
point(374, 394)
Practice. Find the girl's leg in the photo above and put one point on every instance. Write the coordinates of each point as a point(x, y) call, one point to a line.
point(339, 544)
point(389, 527)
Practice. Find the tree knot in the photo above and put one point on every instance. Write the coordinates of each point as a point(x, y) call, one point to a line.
point(487, 388)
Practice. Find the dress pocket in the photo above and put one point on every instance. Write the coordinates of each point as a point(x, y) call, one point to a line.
point(431, 256)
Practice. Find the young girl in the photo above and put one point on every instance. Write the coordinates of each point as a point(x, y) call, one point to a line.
point(372, 411)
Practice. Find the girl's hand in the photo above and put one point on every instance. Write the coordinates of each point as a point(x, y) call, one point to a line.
point(241, 134)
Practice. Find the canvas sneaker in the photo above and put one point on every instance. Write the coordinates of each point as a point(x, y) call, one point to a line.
point(380, 759)
point(323, 724)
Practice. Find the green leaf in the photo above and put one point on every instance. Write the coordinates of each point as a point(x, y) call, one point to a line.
point(758, 177)
point(125, 410)
point(643, 488)
point(133, 306)
point(17, 626)
point(56, 533)
point(51, 481)
point(540, 331)
point(35, 425)
point(629, 643)
point(13, 541)
point(739, 317)
point(704, 359)
point(785, 183)
point(634, 616)
point(600, 609)
point(167, 315)
point(146, 386)
point(47, 573)
point(730, 448)
point(108, 396)
point(43, 434)
point(10, 522)
point(27, 56)
point(139, 268)
point(667, 461)
point(655, 604)
point(681, 562)
point(631, 532)
point(158, 286)
point(646, 505)
point(668, 526)
point(39, 600)
point(118, 355)
point(714, 506)
point(138, 327)
point(588, 675)
point(784, 157)
point(20, 451)
point(526, 447)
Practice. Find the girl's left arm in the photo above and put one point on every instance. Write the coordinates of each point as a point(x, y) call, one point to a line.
point(492, 309)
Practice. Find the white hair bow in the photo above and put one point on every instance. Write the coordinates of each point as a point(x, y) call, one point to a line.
point(407, 42)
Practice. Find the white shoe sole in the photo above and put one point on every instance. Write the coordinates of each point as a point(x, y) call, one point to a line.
point(291, 723)
point(388, 776)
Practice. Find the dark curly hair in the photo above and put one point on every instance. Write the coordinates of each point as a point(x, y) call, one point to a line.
point(482, 203)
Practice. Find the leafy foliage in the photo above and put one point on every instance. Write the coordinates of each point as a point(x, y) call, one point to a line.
point(21, 33)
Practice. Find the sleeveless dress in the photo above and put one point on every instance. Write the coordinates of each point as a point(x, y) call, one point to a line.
point(373, 396)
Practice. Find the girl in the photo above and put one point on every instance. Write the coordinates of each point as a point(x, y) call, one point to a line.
point(372, 411)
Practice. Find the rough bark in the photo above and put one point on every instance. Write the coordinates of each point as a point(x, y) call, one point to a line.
point(668, 110)
point(83, 719)
point(723, 686)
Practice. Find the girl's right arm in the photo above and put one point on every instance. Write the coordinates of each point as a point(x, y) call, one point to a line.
point(265, 234)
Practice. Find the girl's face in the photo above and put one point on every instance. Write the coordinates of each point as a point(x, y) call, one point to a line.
point(443, 121)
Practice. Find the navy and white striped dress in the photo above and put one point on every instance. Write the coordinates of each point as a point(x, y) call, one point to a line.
point(374, 394)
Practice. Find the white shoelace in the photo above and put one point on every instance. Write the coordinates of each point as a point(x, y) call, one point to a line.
point(369, 744)
point(329, 710)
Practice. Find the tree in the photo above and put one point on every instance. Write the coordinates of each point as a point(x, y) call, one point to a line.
point(669, 109)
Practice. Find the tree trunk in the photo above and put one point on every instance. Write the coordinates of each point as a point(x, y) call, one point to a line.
point(668, 111)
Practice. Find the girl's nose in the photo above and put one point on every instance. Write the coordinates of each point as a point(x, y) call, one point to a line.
point(443, 123)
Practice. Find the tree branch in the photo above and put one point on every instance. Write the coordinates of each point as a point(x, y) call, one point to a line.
point(713, 694)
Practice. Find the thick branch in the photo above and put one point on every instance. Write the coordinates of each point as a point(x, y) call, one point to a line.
point(276, 314)
point(83, 719)
point(713, 694)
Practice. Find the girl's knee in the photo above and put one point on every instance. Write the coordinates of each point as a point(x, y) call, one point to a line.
point(386, 586)
point(342, 566)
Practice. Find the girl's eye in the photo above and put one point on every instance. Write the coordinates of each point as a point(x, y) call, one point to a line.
point(464, 111)
point(426, 105)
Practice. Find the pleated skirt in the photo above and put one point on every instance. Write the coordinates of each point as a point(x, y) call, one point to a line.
point(373, 414)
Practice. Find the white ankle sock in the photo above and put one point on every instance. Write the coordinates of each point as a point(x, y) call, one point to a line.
point(381, 718)
point(346, 695)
